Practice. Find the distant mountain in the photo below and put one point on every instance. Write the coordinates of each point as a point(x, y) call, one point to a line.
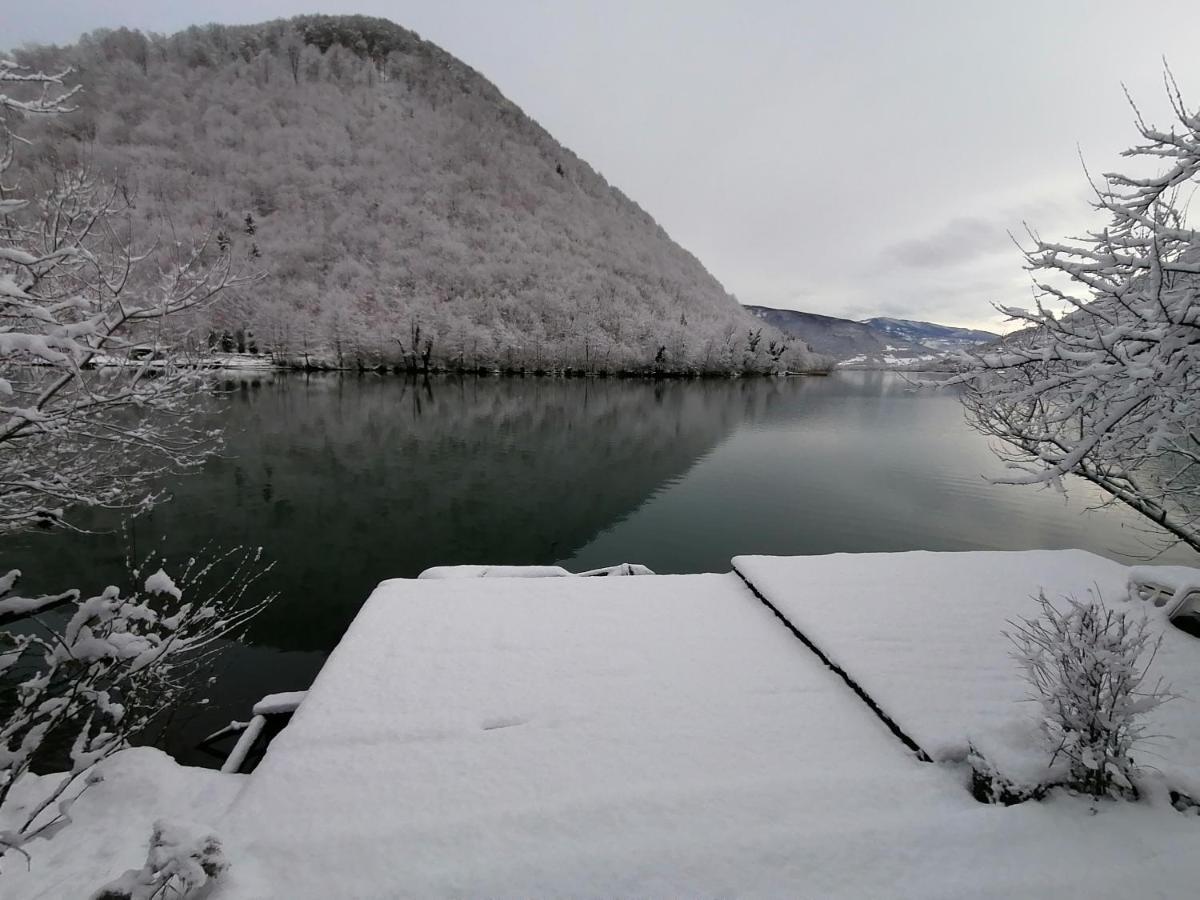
point(874, 343)
point(404, 211)
point(934, 337)
point(840, 338)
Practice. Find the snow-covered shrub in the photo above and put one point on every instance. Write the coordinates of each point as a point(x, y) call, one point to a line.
point(183, 858)
point(97, 679)
point(1087, 665)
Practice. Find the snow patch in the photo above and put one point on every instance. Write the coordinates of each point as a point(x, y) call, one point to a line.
point(494, 572)
point(276, 704)
point(160, 583)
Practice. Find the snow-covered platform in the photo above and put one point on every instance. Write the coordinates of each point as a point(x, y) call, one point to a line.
point(668, 736)
point(653, 735)
point(923, 635)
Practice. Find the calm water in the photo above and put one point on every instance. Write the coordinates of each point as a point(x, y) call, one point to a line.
point(345, 481)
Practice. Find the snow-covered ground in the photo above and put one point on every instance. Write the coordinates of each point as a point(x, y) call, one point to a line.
point(111, 822)
point(210, 360)
point(650, 736)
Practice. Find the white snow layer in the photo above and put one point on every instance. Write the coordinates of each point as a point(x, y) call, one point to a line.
point(531, 571)
point(160, 583)
point(657, 736)
point(1165, 587)
point(275, 704)
point(922, 634)
point(494, 572)
point(111, 822)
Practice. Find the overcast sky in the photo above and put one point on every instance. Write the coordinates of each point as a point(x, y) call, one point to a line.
point(849, 158)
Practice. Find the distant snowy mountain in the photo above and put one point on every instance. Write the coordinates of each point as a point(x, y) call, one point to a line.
point(874, 343)
point(927, 334)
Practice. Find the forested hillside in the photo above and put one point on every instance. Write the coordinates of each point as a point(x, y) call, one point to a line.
point(402, 211)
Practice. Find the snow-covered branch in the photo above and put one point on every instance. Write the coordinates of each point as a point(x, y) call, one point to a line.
point(121, 657)
point(1102, 381)
point(93, 401)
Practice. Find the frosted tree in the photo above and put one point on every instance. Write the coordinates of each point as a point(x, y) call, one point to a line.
point(92, 402)
point(1103, 382)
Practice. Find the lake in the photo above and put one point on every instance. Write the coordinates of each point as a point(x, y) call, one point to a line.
point(348, 480)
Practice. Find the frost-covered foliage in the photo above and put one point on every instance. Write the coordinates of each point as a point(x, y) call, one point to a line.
point(87, 415)
point(1087, 665)
point(183, 858)
point(90, 412)
point(407, 213)
point(90, 685)
point(1104, 381)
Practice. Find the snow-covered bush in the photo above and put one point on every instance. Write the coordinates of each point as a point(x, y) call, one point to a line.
point(1103, 379)
point(183, 858)
point(119, 660)
point(1087, 665)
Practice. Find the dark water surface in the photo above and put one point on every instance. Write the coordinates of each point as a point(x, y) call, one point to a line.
point(345, 481)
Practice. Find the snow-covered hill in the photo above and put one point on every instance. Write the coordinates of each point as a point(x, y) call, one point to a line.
point(402, 208)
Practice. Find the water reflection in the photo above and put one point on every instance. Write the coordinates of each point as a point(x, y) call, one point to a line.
point(862, 462)
point(346, 481)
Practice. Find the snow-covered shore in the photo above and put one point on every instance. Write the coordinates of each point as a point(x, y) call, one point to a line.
point(663, 736)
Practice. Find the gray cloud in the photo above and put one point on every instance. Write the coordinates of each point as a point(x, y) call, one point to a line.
point(958, 241)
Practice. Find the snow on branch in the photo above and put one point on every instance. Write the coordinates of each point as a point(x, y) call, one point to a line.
point(121, 658)
point(1102, 379)
point(93, 402)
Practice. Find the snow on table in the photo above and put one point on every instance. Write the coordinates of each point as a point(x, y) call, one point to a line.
point(921, 633)
point(655, 736)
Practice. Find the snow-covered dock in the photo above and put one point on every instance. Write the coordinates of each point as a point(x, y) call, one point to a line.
point(629, 736)
point(664, 736)
point(668, 736)
point(922, 635)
